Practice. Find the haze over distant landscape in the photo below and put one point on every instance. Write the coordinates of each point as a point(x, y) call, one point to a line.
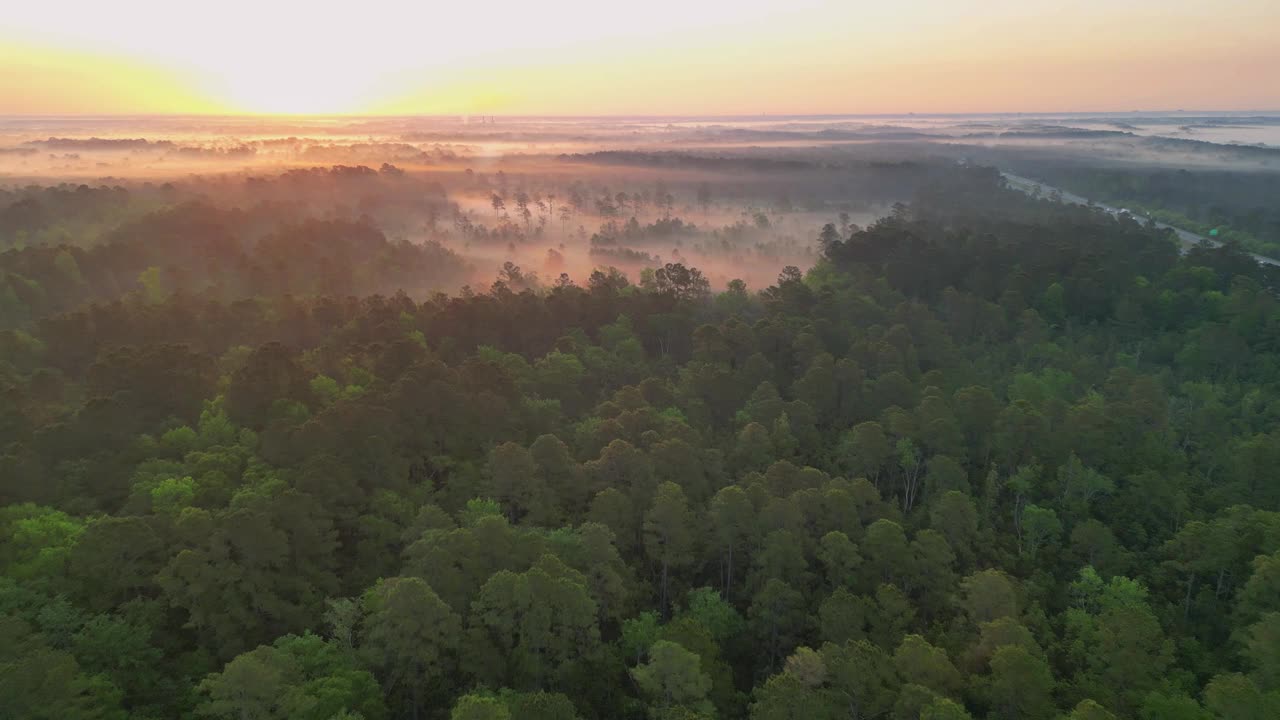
point(761, 360)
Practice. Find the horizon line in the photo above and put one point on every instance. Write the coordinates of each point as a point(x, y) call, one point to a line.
point(648, 116)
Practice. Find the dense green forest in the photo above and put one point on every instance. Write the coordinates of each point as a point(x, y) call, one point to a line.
point(1239, 205)
point(991, 457)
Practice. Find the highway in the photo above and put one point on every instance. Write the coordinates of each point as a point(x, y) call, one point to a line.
point(1186, 237)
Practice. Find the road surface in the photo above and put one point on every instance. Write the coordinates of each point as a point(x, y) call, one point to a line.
point(1186, 237)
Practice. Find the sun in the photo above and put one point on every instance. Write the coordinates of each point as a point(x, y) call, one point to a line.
point(289, 89)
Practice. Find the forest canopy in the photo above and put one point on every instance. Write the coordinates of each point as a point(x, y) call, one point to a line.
point(991, 456)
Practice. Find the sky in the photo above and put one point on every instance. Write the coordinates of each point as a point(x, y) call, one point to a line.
point(654, 57)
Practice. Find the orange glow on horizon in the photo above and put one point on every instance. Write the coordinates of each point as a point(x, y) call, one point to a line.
point(573, 57)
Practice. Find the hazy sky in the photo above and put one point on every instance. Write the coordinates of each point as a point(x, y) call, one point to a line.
point(594, 57)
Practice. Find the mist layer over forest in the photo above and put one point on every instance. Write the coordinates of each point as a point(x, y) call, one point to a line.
point(793, 418)
point(737, 198)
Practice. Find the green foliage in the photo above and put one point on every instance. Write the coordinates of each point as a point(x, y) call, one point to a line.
point(37, 541)
point(296, 677)
point(673, 679)
point(1021, 684)
point(944, 709)
point(638, 635)
point(409, 637)
point(480, 707)
point(1235, 696)
point(920, 663)
point(173, 494)
point(992, 457)
point(527, 627)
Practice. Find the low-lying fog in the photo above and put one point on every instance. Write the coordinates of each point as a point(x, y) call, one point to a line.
point(735, 197)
